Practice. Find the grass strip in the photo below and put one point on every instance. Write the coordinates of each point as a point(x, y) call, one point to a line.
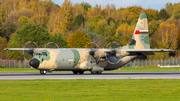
point(90, 90)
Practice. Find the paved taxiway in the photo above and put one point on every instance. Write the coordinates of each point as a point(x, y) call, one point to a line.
point(87, 75)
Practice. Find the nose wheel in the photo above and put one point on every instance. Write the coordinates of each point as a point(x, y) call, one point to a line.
point(80, 72)
point(43, 72)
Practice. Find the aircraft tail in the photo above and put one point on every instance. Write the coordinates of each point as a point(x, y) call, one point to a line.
point(140, 39)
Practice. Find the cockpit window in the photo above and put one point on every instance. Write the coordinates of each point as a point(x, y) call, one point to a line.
point(38, 54)
point(44, 54)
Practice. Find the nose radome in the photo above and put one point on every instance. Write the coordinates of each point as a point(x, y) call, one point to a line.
point(34, 63)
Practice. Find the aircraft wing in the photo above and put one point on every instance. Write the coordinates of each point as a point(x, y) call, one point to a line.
point(147, 51)
point(21, 48)
point(135, 51)
point(17, 49)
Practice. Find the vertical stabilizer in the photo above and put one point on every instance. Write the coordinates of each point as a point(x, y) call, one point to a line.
point(140, 39)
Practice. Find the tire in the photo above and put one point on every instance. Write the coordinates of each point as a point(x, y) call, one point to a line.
point(100, 72)
point(93, 72)
point(43, 72)
point(75, 72)
point(81, 72)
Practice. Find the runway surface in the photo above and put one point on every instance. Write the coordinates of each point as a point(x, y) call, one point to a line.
point(87, 75)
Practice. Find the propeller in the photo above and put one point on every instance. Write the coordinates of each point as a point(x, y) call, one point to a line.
point(111, 56)
point(28, 54)
point(51, 45)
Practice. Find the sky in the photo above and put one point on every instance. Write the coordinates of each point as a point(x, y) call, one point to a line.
point(153, 4)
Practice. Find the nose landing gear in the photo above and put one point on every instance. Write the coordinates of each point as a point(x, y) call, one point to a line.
point(43, 72)
point(80, 72)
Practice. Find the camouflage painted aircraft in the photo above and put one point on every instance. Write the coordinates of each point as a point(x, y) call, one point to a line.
point(93, 60)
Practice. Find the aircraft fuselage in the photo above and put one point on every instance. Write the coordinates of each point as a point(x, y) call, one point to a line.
point(74, 60)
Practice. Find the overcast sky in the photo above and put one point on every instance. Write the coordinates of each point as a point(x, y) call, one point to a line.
point(153, 4)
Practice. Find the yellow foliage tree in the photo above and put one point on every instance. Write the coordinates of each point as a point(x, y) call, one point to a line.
point(78, 40)
point(125, 31)
point(77, 9)
point(91, 13)
point(64, 17)
point(167, 36)
point(3, 44)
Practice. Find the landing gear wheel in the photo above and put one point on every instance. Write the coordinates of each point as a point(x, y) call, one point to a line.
point(96, 72)
point(81, 72)
point(43, 72)
point(93, 72)
point(100, 72)
point(75, 72)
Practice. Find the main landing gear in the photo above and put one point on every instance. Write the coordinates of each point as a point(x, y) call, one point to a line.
point(80, 72)
point(96, 72)
point(43, 72)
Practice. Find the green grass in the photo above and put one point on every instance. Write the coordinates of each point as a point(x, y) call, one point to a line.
point(127, 69)
point(17, 70)
point(98, 90)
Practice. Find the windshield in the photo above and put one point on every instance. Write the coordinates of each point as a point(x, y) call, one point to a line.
point(44, 54)
point(38, 54)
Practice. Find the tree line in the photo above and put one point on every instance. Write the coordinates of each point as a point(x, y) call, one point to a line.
point(75, 25)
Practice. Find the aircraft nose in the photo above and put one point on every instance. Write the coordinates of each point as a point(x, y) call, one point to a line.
point(34, 63)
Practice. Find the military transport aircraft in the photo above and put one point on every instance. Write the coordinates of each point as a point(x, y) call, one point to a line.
point(93, 60)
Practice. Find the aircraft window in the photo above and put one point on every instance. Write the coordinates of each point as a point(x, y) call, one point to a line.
point(38, 54)
point(44, 54)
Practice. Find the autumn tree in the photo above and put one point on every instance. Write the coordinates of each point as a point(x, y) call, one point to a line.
point(109, 20)
point(176, 10)
point(151, 14)
point(123, 15)
point(85, 5)
point(169, 8)
point(167, 36)
point(10, 28)
point(30, 32)
point(78, 21)
point(153, 26)
point(23, 20)
point(102, 27)
point(58, 39)
point(98, 39)
point(78, 40)
point(3, 44)
point(163, 14)
point(125, 32)
point(40, 14)
point(65, 16)
point(110, 8)
point(136, 10)
point(92, 23)
point(77, 10)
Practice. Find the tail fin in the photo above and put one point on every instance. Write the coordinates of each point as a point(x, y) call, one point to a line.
point(140, 39)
